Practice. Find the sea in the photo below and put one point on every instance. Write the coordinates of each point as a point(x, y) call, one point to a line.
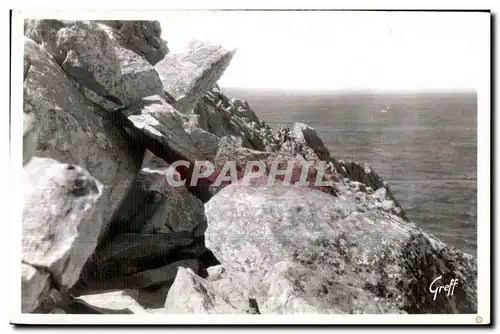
point(424, 144)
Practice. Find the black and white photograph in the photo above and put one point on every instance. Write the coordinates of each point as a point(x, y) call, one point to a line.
point(251, 167)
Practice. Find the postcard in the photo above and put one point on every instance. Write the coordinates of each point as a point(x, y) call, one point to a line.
point(251, 167)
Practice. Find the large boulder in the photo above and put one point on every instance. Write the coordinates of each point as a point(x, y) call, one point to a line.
point(379, 255)
point(136, 79)
point(110, 75)
point(141, 37)
point(89, 57)
point(187, 76)
point(71, 129)
point(291, 143)
point(61, 225)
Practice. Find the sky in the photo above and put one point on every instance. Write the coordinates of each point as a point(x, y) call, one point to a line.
point(340, 50)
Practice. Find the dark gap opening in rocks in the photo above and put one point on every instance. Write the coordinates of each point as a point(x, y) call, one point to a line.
point(254, 306)
point(207, 260)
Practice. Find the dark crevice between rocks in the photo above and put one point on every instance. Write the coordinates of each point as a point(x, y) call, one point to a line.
point(137, 206)
point(207, 260)
point(170, 99)
point(97, 276)
point(113, 99)
point(253, 305)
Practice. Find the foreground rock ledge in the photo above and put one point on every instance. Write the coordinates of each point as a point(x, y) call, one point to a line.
point(372, 262)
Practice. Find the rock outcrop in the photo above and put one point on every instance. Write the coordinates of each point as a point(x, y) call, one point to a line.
point(108, 69)
point(332, 251)
point(108, 115)
point(218, 114)
point(60, 226)
point(187, 76)
point(71, 129)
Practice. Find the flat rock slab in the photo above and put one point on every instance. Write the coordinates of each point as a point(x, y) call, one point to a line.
point(61, 225)
point(189, 75)
point(118, 301)
point(127, 249)
point(159, 126)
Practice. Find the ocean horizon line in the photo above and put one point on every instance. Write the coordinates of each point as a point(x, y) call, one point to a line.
point(354, 91)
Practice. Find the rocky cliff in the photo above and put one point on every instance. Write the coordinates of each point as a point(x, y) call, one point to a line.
point(107, 110)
